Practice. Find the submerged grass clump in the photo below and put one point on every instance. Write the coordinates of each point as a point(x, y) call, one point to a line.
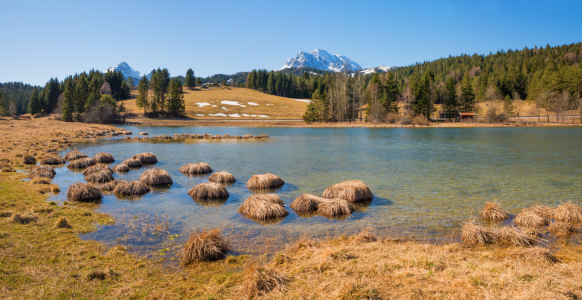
point(492, 211)
point(263, 207)
point(351, 190)
point(53, 160)
point(222, 177)
point(196, 169)
point(110, 186)
point(205, 245)
point(100, 177)
point(83, 192)
point(103, 157)
point(306, 203)
point(208, 191)
point(97, 168)
point(265, 181)
point(121, 168)
point(81, 163)
point(334, 208)
point(156, 177)
point(133, 163)
point(530, 220)
point(474, 234)
point(74, 155)
point(134, 188)
point(146, 158)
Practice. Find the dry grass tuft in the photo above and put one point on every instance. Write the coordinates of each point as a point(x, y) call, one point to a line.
point(23, 218)
point(260, 280)
point(62, 222)
point(134, 188)
point(97, 168)
point(208, 191)
point(474, 234)
point(493, 212)
point(351, 190)
point(110, 186)
point(103, 157)
point(40, 180)
point(133, 163)
point(101, 275)
point(265, 181)
point(42, 209)
point(530, 220)
point(156, 177)
point(146, 158)
point(222, 177)
point(82, 192)
point(568, 212)
point(541, 210)
point(513, 236)
point(334, 208)
point(306, 203)
point(263, 207)
point(535, 254)
point(121, 168)
point(206, 245)
point(563, 230)
point(74, 155)
point(53, 160)
point(29, 160)
point(42, 171)
point(100, 177)
point(81, 163)
point(196, 169)
point(367, 235)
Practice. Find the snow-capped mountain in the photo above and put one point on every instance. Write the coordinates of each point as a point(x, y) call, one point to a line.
point(377, 70)
point(322, 60)
point(127, 71)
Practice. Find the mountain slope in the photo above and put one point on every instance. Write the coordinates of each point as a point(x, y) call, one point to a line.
point(127, 71)
point(322, 60)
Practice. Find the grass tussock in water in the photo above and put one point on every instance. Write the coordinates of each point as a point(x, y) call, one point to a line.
point(260, 280)
point(222, 177)
point(42, 171)
point(563, 230)
point(208, 191)
point(121, 168)
point(492, 211)
point(265, 182)
point(133, 163)
point(334, 208)
point(196, 169)
point(103, 157)
point(146, 158)
point(351, 190)
point(110, 186)
point(474, 234)
point(263, 207)
point(74, 155)
point(29, 160)
point(530, 220)
point(306, 203)
point(97, 168)
point(100, 177)
point(205, 245)
point(134, 188)
point(81, 163)
point(83, 192)
point(53, 160)
point(156, 177)
point(568, 212)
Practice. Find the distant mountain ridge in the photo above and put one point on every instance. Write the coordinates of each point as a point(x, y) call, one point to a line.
point(322, 60)
point(127, 72)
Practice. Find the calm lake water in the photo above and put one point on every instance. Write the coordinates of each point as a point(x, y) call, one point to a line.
point(426, 181)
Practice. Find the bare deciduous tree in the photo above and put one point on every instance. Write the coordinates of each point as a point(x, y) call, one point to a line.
point(544, 101)
point(517, 108)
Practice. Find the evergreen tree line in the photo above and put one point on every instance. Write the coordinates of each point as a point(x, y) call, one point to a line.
point(281, 84)
point(16, 98)
point(166, 97)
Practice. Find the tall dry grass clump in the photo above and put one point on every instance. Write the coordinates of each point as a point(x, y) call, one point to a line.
point(568, 212)
point(146, 158)
point(260, 280)
point(492, 211)
point(208, 191)
point(110, 186)
point(263, 207)
point(306, 203)
point(562, 230)
point(81, 163)
point(23, 218)
point(206, 245)
point(41, 171)
point(121, 168)
point(535, 254)
point(103, 157)
point(156, 177)
point(334, 208)
point(134, 188)
point(530, 220)
point(351, 190)
point(97, 168)
point(133, 163)
point(367, 235)
point(82, 192)
point(62, 222)
point(195, 169)
point(74, 155)
point(53, 160)
point(474, 234)
point(265, 181)
point(100, 177)
point(513, 236)
point(29, 160)
point(222, 177)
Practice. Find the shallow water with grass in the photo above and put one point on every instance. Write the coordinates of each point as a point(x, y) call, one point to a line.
point(426, 181)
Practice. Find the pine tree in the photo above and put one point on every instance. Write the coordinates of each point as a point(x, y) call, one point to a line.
point(390, 92)
point(451, 105)
point(176, 105)
point(189, 80)
point(68, 100)
point(82, 93)
point(3, 105)
point(93, 98)
point(467, 95)
point(271, 83)
point(508, 106)
point(155, 84)
point(198, 81)
point(142, 94)
point(35, 104)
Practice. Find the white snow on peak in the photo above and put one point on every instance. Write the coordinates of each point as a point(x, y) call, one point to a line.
point(127, 72)
point(377, 70)
point(322, 60)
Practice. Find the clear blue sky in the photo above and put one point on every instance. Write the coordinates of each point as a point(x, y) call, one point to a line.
point(43, 39)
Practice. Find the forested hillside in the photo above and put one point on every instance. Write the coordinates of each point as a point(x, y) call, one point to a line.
point(15, 97)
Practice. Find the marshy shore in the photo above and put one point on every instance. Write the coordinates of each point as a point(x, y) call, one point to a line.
point(41, 258)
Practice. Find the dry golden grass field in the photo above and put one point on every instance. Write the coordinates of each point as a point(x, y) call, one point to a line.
point(241, 103)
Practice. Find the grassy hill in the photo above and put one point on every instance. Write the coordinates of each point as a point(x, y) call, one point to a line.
point(235, 103)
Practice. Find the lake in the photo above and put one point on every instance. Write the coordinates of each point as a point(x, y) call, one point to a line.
point(426, 181)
